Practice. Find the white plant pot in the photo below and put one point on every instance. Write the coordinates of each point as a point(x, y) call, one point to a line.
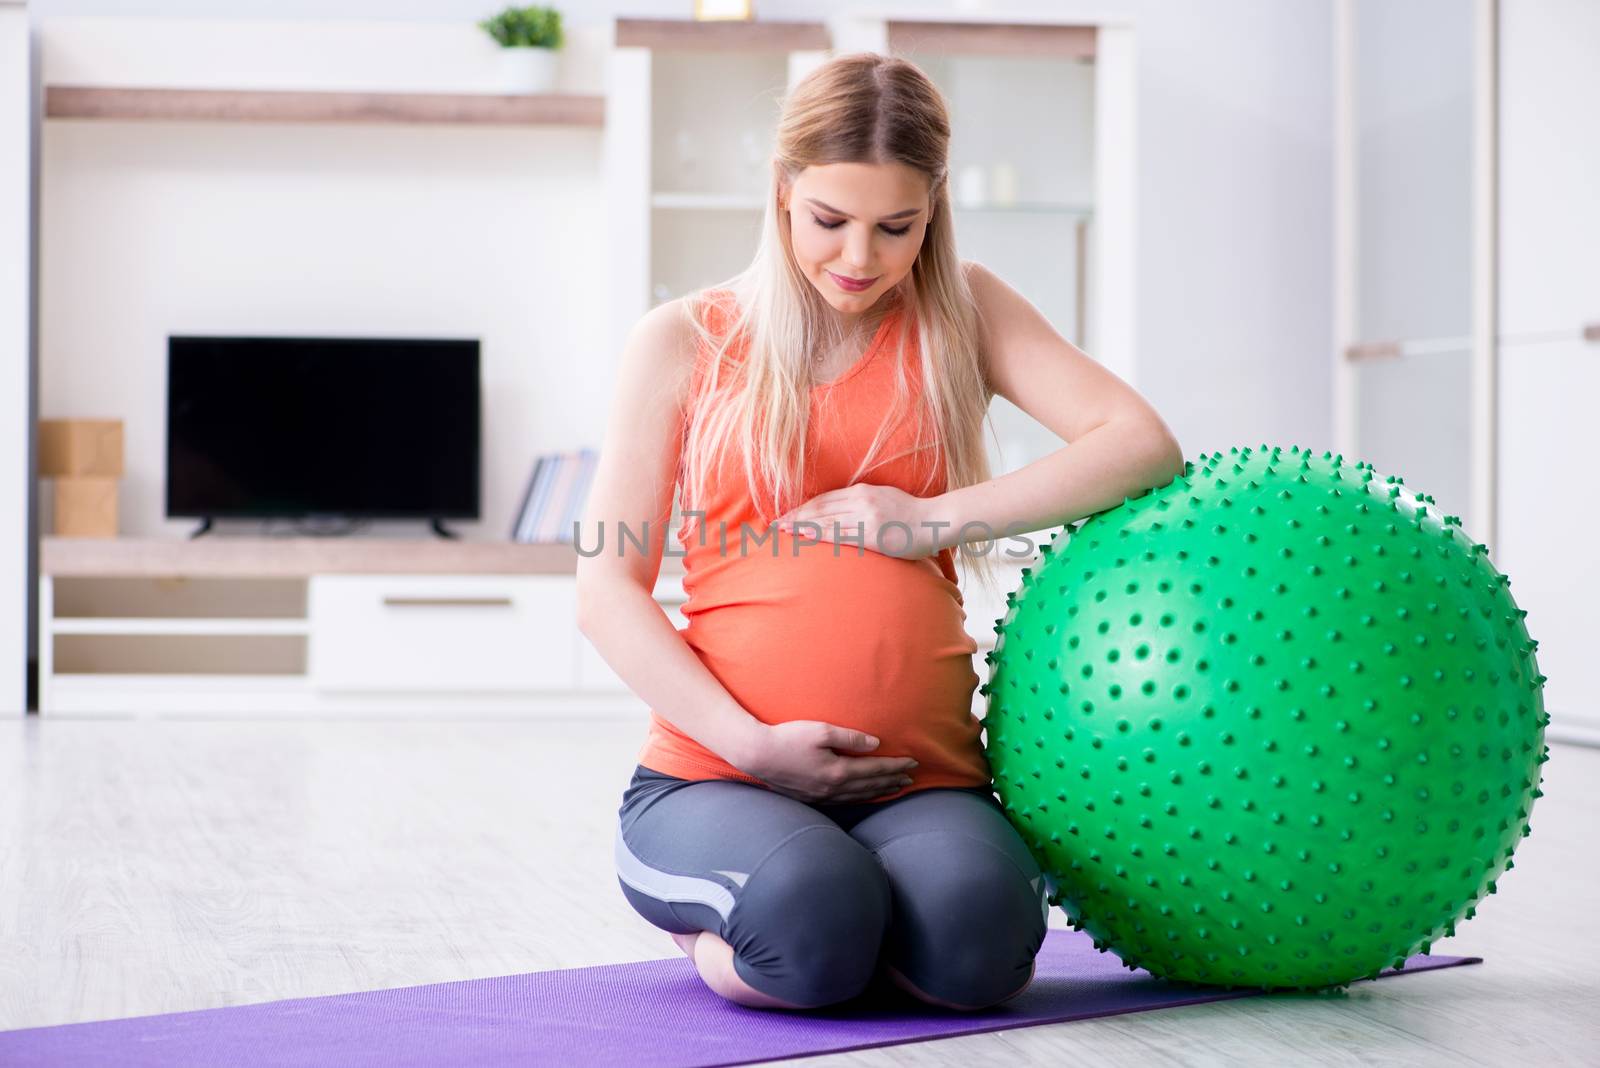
point(527, 70)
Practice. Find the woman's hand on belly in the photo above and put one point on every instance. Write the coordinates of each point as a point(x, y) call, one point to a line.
point(798, 759)
point(883, 519)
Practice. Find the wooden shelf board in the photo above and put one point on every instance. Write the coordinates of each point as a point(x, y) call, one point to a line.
point(261, 557)
point(119, 683)
point(722, 35)
point(187, 627)
point(992, 39)
point(274, 105)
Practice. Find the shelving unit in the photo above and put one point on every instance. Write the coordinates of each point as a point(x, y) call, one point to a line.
point(1042, 101)
point(692, 110)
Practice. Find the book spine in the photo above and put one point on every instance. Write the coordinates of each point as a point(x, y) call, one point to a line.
point(527, 496)
point(541, 490)
point(580, 494)
point(550, 522)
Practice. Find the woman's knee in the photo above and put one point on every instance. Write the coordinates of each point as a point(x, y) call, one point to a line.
point(966, 931)
point(810, 919)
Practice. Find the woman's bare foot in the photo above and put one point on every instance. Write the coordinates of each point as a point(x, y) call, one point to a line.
point(713, 958)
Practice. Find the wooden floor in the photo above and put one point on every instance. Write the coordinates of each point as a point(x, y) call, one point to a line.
point(157, 866)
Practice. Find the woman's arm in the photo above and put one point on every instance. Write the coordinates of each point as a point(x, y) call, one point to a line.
point(633, 484)
point(1118, 446)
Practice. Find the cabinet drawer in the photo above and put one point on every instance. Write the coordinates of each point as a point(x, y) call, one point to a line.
point(442, 632)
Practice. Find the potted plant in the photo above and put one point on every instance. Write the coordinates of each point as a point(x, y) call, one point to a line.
point(528, 38)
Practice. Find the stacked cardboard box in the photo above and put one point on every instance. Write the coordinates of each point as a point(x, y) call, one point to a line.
point(84, 456)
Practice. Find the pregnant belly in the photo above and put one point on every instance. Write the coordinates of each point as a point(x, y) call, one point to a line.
point(866, 641)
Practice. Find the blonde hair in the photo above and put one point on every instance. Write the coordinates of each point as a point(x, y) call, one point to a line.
point(859, 108)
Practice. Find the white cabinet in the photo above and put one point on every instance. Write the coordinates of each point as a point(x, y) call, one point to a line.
point(248, 639)
point(456, 633)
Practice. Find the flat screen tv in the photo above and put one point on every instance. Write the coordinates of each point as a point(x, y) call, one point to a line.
point(311, 427)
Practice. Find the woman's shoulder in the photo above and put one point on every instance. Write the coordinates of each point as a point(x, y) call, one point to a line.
point(710, 308)
point(685, 331)
point(980, 281)
point(661, 347)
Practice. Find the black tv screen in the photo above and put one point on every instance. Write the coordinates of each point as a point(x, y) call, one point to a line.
point(268, 427)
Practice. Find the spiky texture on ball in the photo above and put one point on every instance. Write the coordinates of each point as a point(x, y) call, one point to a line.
point(1276, 724)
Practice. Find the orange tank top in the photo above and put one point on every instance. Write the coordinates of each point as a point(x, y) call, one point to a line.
point(802, 628)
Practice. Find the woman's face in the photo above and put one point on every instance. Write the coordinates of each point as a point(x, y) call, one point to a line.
point(850, 221)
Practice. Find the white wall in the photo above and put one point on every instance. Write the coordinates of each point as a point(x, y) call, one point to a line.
point(1235, 254)
point(16, 475)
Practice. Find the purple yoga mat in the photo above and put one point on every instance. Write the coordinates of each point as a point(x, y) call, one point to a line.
point(655, 1013)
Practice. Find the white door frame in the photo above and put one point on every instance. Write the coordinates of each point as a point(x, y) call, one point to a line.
point(18, 129)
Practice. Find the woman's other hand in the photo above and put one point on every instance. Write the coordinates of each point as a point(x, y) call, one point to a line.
point(799, 759)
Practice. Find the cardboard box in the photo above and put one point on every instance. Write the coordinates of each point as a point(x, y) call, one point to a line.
point(73, 447)
point(86, 507)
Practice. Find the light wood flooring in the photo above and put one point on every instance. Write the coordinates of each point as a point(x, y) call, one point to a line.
point(151, 866)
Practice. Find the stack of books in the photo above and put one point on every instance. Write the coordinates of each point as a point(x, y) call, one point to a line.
point(553, 500)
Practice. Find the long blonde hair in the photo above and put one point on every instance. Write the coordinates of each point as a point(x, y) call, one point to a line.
point(858, 108)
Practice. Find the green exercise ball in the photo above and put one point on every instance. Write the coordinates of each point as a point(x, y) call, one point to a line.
point(1276, 724)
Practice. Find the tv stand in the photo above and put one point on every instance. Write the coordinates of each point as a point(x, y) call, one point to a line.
point(269, 626)
point(439, 529)
point(203, 528)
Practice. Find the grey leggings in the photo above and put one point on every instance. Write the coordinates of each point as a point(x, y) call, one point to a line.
point(813, 898)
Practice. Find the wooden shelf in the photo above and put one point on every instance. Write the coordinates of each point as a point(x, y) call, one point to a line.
point(731, 35)
point(183, 627)
point(271, 105)
point(1050, 40)
point(257, 557)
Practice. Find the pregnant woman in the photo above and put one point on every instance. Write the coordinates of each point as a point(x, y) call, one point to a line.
point(811, 812)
